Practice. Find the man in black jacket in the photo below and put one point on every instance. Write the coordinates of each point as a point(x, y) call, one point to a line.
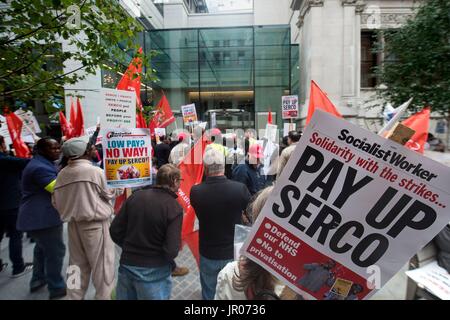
point(148, 229)
point(219, 204)
point(10, 195)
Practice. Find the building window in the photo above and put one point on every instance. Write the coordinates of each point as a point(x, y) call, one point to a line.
point(216, 56)
point(369, 59)
point(241, 58)
point(226, 58)
point(226, 43)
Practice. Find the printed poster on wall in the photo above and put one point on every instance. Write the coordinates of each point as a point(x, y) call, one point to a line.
point(119, 108)
point(189, 113)
point(127, 157)
point(348, 211)
point(289, 107)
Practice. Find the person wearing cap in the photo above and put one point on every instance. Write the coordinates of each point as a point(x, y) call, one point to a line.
point(83, 199)
point(40, 219)
point(249, 172)
point(217, 142)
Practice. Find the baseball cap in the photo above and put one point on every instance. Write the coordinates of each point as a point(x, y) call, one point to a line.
point(75, 147)
point(216, 132)
point(256, 151)
point(182, 136)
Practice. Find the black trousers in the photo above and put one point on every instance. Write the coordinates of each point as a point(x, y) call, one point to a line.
point(8, 219)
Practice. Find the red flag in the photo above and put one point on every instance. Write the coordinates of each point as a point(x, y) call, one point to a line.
point(419, 122)
point(319, 100)
point(73, 118)
point(269, 117)
point(163, 116)
point(192, 173)
point(14, 124)
point(78, 126)
point(66, 127)
point(192, 242)
point(118, 202)
point(131, 81)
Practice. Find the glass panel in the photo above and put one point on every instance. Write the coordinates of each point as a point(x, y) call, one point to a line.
point(225, 69)
point(272, 68)
point(176, 66)
point(295, 70)
point(226, 74)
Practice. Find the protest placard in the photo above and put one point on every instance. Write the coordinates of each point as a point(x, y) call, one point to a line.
point(350, 205)
point(213, 120)
point(160, 132)
point(90, 132)
point(119, 108)
point(433, 278)
point(289, 107)
point(271, 132)
point(127, 157)
point(189, 113)
point(287, 127)
point(30, 123)
point(4, 131)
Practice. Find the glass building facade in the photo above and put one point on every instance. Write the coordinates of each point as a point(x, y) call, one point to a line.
point(239, 73)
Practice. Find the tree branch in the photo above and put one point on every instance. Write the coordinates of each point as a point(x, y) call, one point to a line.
point(26, 66)
point(39, 28)
point(8, 93)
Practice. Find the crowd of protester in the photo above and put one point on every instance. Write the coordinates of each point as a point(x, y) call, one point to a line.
point(65, 183)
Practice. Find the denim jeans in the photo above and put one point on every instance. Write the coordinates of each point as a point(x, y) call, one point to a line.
point(137, 283)
point(209, 270)
point(48, 258)
point(8, 219)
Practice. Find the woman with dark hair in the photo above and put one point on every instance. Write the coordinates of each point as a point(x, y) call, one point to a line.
point(247, 280)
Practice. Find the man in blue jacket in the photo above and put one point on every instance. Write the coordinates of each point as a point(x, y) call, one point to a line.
point(248, 173)
point(40, 219)
point(10, 194)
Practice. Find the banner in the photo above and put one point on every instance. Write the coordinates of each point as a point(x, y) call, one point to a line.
point(289, 107)
point(189, 113)
point(348, 211)
point(127, 157)
point(119, 108)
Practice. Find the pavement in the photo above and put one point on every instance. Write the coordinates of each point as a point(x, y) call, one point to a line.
point(183, 288)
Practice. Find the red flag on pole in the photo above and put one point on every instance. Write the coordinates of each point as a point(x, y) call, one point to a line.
point(66, 127)
point(163, 116)
point(131, 81)
point(269, 117)
point(73, 118)
point(78, 129)
point(191, 168)
point(419, 122)
point(14, 124)
point(319, 100)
